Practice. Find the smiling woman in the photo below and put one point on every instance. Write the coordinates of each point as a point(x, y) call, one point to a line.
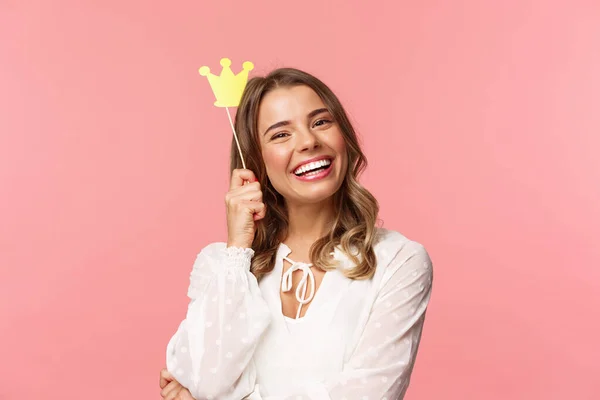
point(308, 298)
point(308, 127)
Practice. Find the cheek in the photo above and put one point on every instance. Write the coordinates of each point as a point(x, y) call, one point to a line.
point(338, 144)
point(275, 161)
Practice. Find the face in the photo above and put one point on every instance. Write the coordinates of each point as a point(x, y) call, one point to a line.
point(303, 148)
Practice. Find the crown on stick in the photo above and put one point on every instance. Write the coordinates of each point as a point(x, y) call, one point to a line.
point(227, 87)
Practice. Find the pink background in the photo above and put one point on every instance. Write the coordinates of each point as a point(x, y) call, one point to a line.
point(480, 119)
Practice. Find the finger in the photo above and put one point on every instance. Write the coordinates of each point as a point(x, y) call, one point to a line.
point(250, 191)
point(175, 394)
point(185, 394)
point(253, 207)
point(165, 377)
point(238, 176)
point(260, 214)
point(169, 388)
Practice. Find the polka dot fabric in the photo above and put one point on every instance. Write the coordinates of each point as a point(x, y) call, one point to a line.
point(358, 339)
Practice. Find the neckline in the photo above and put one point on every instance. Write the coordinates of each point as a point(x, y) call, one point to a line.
point(294, 320)
point(284, 251)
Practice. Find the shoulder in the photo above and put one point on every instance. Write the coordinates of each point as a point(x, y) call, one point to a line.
point(397, 253)
point(392, 242)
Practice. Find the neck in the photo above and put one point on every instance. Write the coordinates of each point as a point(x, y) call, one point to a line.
point(309, 222)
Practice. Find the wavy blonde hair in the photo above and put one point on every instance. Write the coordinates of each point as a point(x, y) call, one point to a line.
point(355, 207)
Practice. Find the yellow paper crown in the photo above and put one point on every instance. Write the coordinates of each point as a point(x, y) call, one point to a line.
point(227, 87)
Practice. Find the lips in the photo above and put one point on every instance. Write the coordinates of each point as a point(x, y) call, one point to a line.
point(314, 159)
point(315, 175)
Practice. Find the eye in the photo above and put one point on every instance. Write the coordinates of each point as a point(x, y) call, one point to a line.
point(278, 135)
point(322, 122)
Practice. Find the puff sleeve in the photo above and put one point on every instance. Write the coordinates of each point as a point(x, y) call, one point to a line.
point(211, 352)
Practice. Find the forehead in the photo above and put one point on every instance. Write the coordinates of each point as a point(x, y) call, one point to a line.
point(288, 103)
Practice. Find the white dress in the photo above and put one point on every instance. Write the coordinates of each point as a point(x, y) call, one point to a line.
point(357, 340)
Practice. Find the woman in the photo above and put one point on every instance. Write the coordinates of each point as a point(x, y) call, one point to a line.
point(308, 299)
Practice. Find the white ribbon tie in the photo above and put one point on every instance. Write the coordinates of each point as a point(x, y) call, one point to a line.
point(307, 274)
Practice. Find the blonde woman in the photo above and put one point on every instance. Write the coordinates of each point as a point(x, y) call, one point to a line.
point(308, 299)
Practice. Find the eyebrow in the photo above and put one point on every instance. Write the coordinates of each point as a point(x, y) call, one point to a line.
point(284, 123)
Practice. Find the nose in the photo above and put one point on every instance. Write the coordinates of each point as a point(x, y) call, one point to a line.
point(307, 140)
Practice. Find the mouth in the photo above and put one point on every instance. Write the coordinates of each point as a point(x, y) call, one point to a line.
point(314, 170)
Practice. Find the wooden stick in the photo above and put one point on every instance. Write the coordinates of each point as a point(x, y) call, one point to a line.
point(236, 138)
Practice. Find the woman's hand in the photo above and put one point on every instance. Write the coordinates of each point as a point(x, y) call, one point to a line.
point(244, 207)
point(171, 389)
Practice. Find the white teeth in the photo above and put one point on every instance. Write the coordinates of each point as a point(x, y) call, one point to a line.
point(311, 166)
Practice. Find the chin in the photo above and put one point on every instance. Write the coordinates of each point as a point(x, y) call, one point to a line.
point(316, 194)
point(315, 199)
